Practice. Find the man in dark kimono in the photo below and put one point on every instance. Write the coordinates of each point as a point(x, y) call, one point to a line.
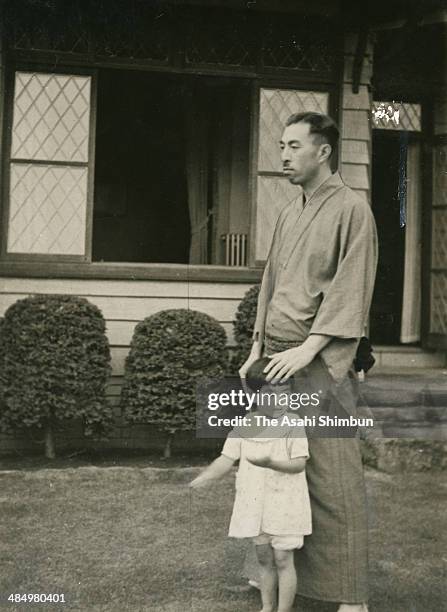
point(312, 311)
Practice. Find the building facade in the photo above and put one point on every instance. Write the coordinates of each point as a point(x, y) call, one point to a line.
point(140, 162)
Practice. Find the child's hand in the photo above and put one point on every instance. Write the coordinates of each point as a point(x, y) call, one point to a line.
point(199, 482)
point(264, 461)
point(218, 468)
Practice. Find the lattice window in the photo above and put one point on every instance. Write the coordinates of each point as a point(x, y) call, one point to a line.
point(149, 31)
point(220, 42)
point(47, 26)
point(439, 238)
point(107, 28)
point(47, 209)
point(438, 297)
point(275, 191)
point(438, 318)
point(51, 117)
point(292, 47)
point(157, 32)
point(440, 175)
point(396, 116)
point(131, 29)
point(49, 164)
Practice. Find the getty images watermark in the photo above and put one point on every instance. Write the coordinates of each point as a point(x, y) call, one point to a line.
point(273, 409)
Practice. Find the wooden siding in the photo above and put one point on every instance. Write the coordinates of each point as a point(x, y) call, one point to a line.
point(438, 265)
point(355, 152)
point(355, 125)
point(125, 303)
point(356, 175)
point(355, 122)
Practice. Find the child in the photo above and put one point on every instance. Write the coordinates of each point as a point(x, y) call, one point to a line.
point(272, 501)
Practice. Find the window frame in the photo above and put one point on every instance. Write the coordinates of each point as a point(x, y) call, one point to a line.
point(8, 109)
point(82, 266)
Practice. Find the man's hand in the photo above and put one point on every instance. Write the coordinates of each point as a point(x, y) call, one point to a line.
point(264, 462)
point(285, 364)
point(255, 354)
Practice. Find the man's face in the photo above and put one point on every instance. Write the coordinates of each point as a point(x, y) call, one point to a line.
point(300, 154)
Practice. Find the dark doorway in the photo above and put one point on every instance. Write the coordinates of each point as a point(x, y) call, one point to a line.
point(141, 205)
point(387, 172)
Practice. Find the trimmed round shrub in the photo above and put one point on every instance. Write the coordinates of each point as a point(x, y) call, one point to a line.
point(170, 352)
point(54, 364)
point(243, 327)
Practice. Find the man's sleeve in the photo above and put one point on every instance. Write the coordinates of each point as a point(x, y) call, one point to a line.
point(232, 447)
point(347, 298)
point(263, 300)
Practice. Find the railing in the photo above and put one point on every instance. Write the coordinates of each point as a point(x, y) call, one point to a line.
point(235, 249)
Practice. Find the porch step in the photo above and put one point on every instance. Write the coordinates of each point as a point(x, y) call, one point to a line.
point(405, 387)
point(406, 403)
point(408, 356)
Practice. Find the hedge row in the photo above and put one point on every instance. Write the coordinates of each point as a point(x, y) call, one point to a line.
point(55, 362)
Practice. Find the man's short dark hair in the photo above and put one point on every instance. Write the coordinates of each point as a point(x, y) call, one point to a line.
point(321, 126)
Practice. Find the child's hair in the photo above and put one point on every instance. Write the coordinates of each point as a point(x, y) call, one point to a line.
point(256, 379)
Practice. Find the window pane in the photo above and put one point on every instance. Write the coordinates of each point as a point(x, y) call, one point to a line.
point(396, 116)
point(438, 314)
point(273, 194)
point(51, 117)
point(440, 174)
point(47, 209)
point(439, 238)
point(276, 105)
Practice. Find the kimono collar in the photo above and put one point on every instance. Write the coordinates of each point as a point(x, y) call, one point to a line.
point(327, 187)
point(313, 205)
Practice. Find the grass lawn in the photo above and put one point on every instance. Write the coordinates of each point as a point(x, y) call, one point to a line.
point(133, 538)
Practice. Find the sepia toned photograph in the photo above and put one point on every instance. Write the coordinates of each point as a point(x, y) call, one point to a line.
point(223, 305)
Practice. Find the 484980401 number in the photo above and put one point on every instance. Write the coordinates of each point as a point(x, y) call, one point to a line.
point(37, 598)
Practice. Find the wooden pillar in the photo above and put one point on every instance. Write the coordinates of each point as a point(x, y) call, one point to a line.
point(355, 164)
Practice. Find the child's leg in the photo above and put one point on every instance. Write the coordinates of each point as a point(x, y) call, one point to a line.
point(285, 565)
point(268, 576)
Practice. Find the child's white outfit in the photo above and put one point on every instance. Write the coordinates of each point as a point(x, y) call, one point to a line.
point(270, 506)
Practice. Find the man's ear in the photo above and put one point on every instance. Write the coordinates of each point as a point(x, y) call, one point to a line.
point(325, 152)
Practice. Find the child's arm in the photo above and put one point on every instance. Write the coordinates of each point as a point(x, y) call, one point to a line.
point(291, 466)
point(217, 469)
